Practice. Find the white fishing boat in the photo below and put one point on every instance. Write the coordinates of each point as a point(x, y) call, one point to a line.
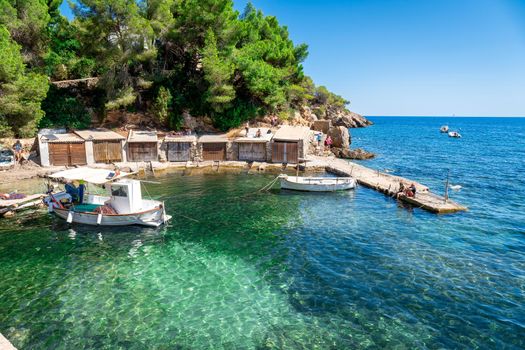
point(444, 129)
point(316, 184)
point(121, 205)
point(454, 134)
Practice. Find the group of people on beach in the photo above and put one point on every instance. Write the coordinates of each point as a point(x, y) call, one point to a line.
point(409, 191)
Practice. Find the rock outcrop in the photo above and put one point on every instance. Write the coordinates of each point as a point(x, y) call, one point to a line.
point(347, 153)
point(347, 119)
point(340, 137)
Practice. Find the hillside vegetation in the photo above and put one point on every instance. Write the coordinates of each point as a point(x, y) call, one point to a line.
point(162, 58)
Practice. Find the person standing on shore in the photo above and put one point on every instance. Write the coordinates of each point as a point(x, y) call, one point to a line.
point(328, 142)
point(17, 148)
point(319, 138)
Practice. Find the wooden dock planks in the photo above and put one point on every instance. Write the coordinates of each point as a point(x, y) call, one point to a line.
point(389, 185)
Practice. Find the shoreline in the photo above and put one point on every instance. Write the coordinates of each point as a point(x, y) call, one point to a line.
point(384, 183)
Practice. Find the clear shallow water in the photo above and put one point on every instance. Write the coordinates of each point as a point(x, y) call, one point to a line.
point(289, 271)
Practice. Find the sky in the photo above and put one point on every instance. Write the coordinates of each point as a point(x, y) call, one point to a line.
point(412, 57)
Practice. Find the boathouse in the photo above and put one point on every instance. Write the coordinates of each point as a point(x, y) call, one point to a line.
point(213, 147)
point(290, 143)
point(180, 148)
point(142, 146)
point(103, 145)
point(253, 148)
point(57, 147)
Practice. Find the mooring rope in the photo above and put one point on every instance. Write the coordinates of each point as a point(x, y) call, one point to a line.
point(269, 185)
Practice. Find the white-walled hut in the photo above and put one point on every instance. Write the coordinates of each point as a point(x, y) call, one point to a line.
point(57, 147)
point(180, 148)
point(290, 143)
point(142, 146)
point(251, 148)
point(213, 147)
point(103, 145)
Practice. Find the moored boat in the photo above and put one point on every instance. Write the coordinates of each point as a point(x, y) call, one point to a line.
point(316, 184)
point(454, 134)
point(122, 205)
point(444, 129)
point(7, 159)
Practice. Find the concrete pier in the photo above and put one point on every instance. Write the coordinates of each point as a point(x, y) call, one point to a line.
point(389, 185)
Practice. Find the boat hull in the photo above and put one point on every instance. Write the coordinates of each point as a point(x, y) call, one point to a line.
point(317, 184)
point(152, 218)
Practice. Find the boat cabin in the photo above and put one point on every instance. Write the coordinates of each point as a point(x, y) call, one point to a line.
point(103, 145)
point(60, 148)
point(213, 147)
point(180, 148)
point(142, 146)
point(253, 146)
point(126, 196)
point(290, 143)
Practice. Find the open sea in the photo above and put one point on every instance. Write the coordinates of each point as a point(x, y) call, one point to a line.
point(236, 269)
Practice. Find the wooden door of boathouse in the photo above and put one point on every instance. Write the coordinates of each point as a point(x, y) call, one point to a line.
point(252, 152)
point(142, 151)
point(179, 151)
point(214, 151)
point(107, 151)
point(285, 152)
point(67, 153)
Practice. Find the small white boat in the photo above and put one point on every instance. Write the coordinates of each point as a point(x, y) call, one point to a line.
point(316, 184)
point(123, 205)
point(454, 134)
point(7, 159)
point(444, 129)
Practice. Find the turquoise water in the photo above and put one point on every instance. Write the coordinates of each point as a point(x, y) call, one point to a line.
point(238, 270)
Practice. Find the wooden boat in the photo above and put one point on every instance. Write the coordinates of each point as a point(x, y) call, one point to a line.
point(123, 205)
point(454, 134)
point(444, 129)
point(316, 184)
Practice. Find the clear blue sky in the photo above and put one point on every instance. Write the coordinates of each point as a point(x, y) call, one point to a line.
point(413, 57)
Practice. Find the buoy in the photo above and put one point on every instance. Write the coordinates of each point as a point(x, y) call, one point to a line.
point(70, 217)
point(99, 219)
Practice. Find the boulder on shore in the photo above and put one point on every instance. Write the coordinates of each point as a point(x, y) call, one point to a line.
point(347, 153)
point(347, 119)
point(340, 137)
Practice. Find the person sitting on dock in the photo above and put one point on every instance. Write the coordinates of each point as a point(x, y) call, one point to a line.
point(258, 134)
point(401, 190)
point(413, 190)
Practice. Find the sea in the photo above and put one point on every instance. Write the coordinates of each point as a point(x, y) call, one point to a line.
point(242, 269)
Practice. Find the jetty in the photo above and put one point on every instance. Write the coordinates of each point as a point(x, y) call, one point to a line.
point(389, 185)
